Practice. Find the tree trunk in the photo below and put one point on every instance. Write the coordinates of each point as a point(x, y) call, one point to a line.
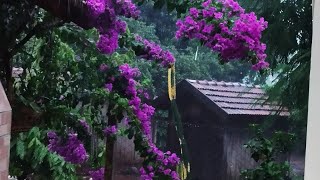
point(110, 142)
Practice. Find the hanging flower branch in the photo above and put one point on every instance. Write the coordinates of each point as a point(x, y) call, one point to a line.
point(153, 52)
point(72, 150)
point(126, 89)
point(224, 27)
point(104, 15)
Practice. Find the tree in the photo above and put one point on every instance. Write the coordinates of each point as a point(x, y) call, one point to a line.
point(266, 152)
point(288, 39)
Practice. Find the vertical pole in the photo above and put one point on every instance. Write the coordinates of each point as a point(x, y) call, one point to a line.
point(110, 142)
point(312, 149)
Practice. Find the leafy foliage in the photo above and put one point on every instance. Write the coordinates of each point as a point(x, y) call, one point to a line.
point(71, 97)
point(266, 152)
point(288, 40)
point(28, 149)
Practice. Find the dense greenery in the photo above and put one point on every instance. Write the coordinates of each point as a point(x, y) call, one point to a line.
point(69, 98)
point(288, 40)
point(267, 153)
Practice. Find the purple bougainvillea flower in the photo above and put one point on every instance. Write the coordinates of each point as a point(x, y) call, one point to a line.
point(108, 86)
point(235, 38)
point(110, 130)
point(97, 174)
point(103, 67)
point(72, 150)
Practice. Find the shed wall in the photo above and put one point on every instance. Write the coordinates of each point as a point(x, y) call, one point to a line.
point(236, 156)
point(204, 136)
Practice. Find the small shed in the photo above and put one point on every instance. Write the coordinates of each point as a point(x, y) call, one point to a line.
point(216, 118)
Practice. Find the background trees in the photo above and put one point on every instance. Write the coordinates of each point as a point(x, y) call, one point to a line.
point(288, 39)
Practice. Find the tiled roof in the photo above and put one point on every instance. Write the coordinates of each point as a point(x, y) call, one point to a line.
point(238, 98)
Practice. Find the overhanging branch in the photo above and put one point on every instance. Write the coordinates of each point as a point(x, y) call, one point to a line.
point(74, 11)
point(37, 29)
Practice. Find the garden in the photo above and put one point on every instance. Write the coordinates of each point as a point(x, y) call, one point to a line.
point(82, 76)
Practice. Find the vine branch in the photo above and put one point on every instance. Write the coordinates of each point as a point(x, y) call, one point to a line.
point(36, 30)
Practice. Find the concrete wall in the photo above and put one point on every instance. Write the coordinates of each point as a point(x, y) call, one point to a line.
point(5, 126)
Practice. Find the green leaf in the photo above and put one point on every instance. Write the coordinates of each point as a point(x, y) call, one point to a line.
point(100, 154)
point(42, 154)
point(159, 4)
point(31, 142)
point(20, 149)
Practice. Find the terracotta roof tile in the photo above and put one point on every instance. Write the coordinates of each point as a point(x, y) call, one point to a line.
point(238, 98)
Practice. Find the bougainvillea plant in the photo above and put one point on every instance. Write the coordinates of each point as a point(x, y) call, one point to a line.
point(224, 27)
point(104, 15)
point(138, 118)
point(72, 150)
point(221, 25)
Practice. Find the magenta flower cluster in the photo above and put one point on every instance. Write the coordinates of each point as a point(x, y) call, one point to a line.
point(126, 8)
point(153, 52)
point(105, 15)
point(166, 162)
point(129, 72)
point(72, 150)
point(97, 174)
point(162, 163)
point(143, 112)
point(110, 130)
point(224, 27)
point(108, 86)
point(103, 67)
point(85, 125)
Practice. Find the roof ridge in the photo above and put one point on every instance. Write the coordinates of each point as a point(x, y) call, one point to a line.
point(240, 97)
point(232, 91)
point(224, 83)
point(252, 103)
point(254, 108)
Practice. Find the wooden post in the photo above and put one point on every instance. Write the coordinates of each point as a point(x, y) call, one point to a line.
point(109, 158)
point(172, 143)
